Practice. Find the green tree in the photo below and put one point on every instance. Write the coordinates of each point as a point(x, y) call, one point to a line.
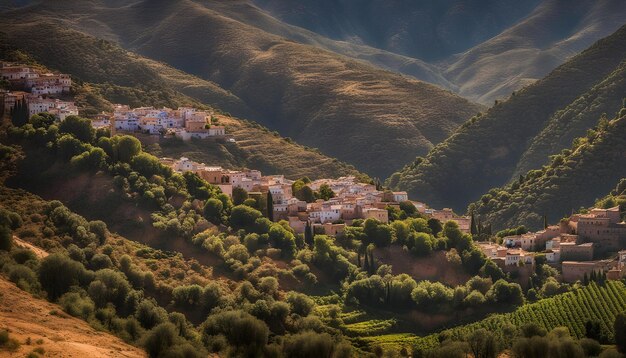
point(244, 217)
point(19, 113)
point(58, 273)
point(213, 211)
point(125, 148)
point(78, 127)
point(239, 195)
point(435, 226)
point(326, 192)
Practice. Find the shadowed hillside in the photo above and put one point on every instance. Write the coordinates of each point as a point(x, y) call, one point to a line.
point(346, 108)
point(573, 179)
point(428, 30)
point(574, 120)
point(485, 151)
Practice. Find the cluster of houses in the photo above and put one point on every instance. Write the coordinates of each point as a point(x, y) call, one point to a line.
point(36, 89)
point(352, 199)
point(573, 244)
point(184, 122)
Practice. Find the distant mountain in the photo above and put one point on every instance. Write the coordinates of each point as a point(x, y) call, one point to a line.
point(105, 73)
point(429, 30)
point(575, 178)
point(485, 49)
point(369, 117)
point(485, 151)
point(555, 31)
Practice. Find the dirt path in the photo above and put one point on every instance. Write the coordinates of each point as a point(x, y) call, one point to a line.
point(41, 253)
point(60, 335)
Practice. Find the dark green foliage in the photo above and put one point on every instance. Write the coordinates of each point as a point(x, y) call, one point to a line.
point(78, 127)
point(300, 303)
point(244, 217)
point(239, 195)
point(594, 161)
point(58, 273)
point(149, 165)
point(478, 156)
point(506, 293)
point(213, 211)
point(245, 333)
point(19, 113)
point(6, 238)
point(149, 314)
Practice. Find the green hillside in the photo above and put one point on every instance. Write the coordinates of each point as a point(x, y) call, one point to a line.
point(573, 179)
point(104, 73)
point(572, 310)
point(485, 151)
point(349, 110)
point(574, 120)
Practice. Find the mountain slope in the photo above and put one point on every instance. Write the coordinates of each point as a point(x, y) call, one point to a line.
point(347, 109)
point(34, 319)
point(575, 119)
point(428, 30)
point(485, 151)
point(575, 178)
point(552, 33)
point(114, 74)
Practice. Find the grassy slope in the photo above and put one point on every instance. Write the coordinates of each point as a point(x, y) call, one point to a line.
point(484, 152)
point(528, 51)
point(27, 317)
point(570, 181)
point(349, 110)
point(124, 77)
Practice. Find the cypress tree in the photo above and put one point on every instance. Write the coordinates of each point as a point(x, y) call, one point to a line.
point(372, 263)
point(366, 263)
point(388, 296)
point(270, 206)
point(473, 227)
point(585, 279)
point(358, 259)
point(308, 234)
point(545, 221)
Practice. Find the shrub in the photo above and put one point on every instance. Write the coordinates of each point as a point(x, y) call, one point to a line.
point(158, 340)
point(149, 314)
point(243, 331)
point(6, 238)
point(77, 304)
point(100, 261)
point(24, 278)
point(58, 273)
point(300, 303)
point(22, 255)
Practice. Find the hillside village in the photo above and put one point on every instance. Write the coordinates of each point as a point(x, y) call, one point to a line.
point(37, 92)
point(33, 91)
point(572, 245)
point(350, 199)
